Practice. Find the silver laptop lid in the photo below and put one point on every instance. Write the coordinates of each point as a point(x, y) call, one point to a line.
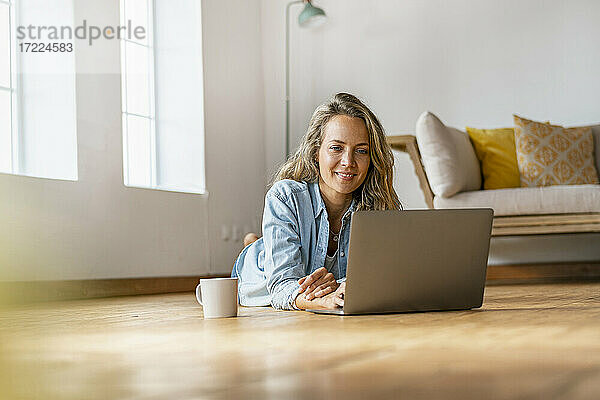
point(417, 260)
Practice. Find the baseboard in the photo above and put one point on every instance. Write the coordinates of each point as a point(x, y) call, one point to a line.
point(543, 273)
point(20, 292)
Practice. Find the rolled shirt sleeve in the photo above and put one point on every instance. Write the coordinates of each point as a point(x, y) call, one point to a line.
point(283, 265)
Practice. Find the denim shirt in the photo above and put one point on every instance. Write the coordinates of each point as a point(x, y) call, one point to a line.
point(294, 244)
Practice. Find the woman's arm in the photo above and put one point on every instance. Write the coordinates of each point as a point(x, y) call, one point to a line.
point(283, 266)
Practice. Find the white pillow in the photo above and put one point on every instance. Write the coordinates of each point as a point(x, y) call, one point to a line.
point(448, 157)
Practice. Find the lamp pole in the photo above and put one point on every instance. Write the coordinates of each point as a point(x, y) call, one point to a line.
point(287, 77)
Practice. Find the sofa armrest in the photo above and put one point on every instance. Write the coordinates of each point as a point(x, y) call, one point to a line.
point(408, 144)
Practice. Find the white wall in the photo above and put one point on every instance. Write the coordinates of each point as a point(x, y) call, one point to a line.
point(472, 62)
point(234, 123)
point(98, 228)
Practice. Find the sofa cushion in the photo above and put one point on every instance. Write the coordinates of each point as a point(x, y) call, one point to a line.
point(557, 199)
point(495, 149)
point(448, 157)
point(553, 155)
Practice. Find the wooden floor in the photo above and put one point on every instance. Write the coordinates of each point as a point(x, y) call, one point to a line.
point(526, 342)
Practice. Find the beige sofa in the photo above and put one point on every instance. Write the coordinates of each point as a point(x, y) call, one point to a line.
point(450, 177)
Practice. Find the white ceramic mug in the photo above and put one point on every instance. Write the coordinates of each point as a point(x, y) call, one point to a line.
point(218, 297)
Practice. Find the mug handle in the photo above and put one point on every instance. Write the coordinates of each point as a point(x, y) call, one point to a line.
point(199, 295)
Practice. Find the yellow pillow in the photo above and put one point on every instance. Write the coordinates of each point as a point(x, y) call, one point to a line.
point(495, 149)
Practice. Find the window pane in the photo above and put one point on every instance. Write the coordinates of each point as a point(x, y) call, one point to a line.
point(48, 136)
point(137, 79)
point(4, 45)
point(46, 102)
point(5, 138)
point(136, 11)
point(138, 151)
point(178, 71)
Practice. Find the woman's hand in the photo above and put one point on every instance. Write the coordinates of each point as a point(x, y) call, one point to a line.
point(335, 299)
point(318, 284)
point(330, 301)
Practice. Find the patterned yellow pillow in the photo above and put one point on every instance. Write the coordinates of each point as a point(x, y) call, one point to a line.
point(495, 149)
point(553, 155)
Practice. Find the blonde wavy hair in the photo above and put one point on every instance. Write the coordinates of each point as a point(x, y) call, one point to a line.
point(377, 191)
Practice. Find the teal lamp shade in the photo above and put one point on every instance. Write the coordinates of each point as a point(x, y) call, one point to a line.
point(311, 16)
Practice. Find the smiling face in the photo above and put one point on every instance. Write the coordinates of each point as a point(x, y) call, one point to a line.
point(343, 157)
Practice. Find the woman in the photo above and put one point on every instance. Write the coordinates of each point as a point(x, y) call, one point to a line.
point(343, 164)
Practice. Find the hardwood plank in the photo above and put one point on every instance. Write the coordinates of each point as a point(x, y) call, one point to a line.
point(535, 273)
point(527, 341)
point(552, 219)
point(544, 229)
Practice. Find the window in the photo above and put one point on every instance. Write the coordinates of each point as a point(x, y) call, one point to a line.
point(37, 95)
point(162, 96)
point(137, 85)
point(6, 87)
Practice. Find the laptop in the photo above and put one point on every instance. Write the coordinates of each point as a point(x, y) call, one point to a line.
point(416, 260)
